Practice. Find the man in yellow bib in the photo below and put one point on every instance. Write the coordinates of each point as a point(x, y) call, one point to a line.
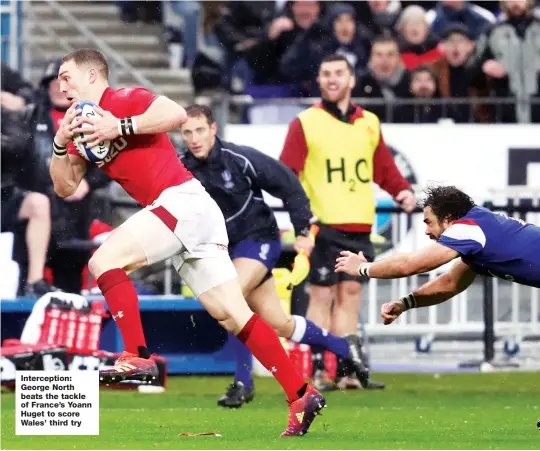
point(337, 150)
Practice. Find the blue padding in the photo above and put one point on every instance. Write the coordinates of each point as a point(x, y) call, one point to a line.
point(145, 303)
point(175, 327)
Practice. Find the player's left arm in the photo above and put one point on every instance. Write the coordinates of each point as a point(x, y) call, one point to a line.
point(434, 292)
point(387, 175)
point(278, 180)
point(397, 265)
point(152, 114)
point(67, 174)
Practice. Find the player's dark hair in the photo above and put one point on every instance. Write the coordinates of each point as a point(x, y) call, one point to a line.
point(447, 202)
point(336, 57)
point(83, 57)
point(200, 110)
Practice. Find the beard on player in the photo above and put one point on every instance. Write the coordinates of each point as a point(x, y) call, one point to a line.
point(335, 92)
point(336, 80)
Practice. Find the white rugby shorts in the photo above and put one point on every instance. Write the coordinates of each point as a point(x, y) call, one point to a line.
point(184, 223)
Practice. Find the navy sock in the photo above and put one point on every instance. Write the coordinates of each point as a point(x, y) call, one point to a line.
point(244, 362)
point(308, 333)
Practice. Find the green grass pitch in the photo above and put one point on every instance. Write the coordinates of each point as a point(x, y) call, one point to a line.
point(416, 411)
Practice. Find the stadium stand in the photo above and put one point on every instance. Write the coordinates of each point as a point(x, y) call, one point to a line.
point(244, 68)
point(70, 25)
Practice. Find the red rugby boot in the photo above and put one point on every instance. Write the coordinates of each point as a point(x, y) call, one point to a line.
point(303, 411)
point(129, 367)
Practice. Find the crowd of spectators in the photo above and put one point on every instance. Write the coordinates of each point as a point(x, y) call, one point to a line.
point(411, 58)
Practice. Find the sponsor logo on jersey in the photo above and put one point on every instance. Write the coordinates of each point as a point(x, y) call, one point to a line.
point(117, 146)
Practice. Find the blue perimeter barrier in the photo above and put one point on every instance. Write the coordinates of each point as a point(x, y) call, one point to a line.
point(176, 328)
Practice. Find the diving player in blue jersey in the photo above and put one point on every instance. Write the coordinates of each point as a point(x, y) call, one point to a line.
point(486, 243)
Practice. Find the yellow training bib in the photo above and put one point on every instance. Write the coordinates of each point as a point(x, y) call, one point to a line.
point(338, 171)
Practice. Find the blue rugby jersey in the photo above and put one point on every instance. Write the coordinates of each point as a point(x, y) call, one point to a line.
point(496, 245)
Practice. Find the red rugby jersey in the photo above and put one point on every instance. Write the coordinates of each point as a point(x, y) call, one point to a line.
point(144, 165)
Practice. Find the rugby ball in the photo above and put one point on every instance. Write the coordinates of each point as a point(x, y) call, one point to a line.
point(96, 153)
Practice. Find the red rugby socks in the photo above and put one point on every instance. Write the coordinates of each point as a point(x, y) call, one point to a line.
point(264, 344)
point(123, 303)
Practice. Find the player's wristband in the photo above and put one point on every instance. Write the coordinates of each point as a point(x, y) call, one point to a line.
point(59, 151)
point(127, 126)
point(363, 269)
point(409, 301)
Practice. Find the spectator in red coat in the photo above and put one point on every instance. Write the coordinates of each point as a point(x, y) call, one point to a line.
point(418, 46)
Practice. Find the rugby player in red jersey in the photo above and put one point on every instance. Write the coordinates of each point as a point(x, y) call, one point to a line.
point(179, 220)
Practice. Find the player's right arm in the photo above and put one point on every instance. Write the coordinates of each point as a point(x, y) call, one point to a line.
point(434, 292)
point(162, 115)
point(66, 170)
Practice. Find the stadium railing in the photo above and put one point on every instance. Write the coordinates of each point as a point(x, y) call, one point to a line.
point(515, 309)
point(222, 103)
